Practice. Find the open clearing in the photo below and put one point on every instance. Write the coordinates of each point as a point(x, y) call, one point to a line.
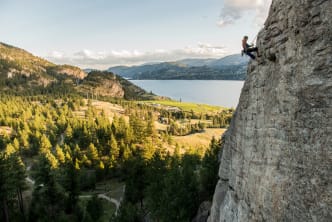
point(199, 139)
point(184, 106)
point(5, 130)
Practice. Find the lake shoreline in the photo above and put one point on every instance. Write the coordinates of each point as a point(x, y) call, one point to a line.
point(223, 93)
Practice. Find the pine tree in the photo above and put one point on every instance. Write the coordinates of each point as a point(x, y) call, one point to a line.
point(47, 199)
point(24, 139)
point(156, 172)
point(151, 128)
point(121, 128)
point(135, 180)
point(209, 170)
point(59, 154)
point(69, 132)
point(16, 144)
point(10, 149)
point(45, 144)
point(52, 159)
point(95, 208)
point(5, 188)
point(124, 151)
point(12, 177)
point(139, 127)
point(93, 153)
point(114, 151)
point(71, 183)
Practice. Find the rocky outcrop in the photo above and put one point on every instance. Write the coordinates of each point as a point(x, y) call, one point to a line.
point(70, 71)
point(100, 83)
point(203, 212)
point(277, 156)
point(110, 88)
point(23, 73)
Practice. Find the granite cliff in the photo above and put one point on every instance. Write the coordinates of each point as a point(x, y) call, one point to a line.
point(277, 154)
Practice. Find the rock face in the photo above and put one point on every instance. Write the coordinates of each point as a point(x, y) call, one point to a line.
point(203, 212)
point(276, 163)
point(70, 71)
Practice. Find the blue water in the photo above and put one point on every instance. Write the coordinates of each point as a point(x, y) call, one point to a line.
point(213, 92)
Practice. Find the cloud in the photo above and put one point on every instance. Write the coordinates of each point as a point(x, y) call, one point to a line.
point(103, 60)
point(235, 9)
point(57, 55)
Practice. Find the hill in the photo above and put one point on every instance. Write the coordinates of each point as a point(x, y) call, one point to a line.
point(231, 67)
point(18, 64)
point(23, 73)
point(231, 60)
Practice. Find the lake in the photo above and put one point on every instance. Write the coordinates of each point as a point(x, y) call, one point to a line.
point(214, 92)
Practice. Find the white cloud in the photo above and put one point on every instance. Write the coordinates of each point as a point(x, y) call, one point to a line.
point(103, 60)
point(57, 55)
point(235, 9)
point(85, 53)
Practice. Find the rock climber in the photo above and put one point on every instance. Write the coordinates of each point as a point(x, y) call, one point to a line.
point(248, 49)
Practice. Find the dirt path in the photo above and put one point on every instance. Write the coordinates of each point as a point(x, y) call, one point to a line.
point(28, 178)
point(109, 199)
point(101, 195)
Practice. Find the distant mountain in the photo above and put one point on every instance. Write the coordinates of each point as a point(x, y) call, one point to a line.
point(231, 67)
point(89, 70)
point(230, 60)
point(136, 71)
point(196, 62)
point(23, 73)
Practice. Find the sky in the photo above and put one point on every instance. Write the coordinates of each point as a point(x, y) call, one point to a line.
point(104, 33)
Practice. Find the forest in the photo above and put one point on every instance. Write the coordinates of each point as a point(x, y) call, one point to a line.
point(58, 151)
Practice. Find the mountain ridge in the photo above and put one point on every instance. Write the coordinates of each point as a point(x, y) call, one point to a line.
point(231, 67)
point(23, 73)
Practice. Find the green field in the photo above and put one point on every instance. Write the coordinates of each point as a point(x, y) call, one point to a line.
point(200, 140)
point(187, 107)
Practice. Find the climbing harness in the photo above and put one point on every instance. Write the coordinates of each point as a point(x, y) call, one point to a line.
point(243, 52)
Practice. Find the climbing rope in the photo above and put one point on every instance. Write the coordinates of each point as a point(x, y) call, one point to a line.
point(254, 40)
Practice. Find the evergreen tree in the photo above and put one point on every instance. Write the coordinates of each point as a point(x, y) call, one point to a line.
point(45, 144)
point(60, 154)
point(93, 153)
point(16, 144)
point(139, 127)
point(95, 208)
point(71, 183)
point(114, 151)
point(209, 170)
point(47, 201)
point(151, 128)
point(52, 159)
point(128, 212)
point(24, 139)
point(12, 177)
point(156, 171)
point(135, 180)
point(10, 149)
point(68, 132)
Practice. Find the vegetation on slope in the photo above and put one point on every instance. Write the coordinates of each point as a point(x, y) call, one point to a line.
point(186, 106)
point(58, 152)
point(191, 73)
point(67, 155)
point(22, 73)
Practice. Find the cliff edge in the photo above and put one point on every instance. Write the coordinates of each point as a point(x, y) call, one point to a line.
point(277, 155)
